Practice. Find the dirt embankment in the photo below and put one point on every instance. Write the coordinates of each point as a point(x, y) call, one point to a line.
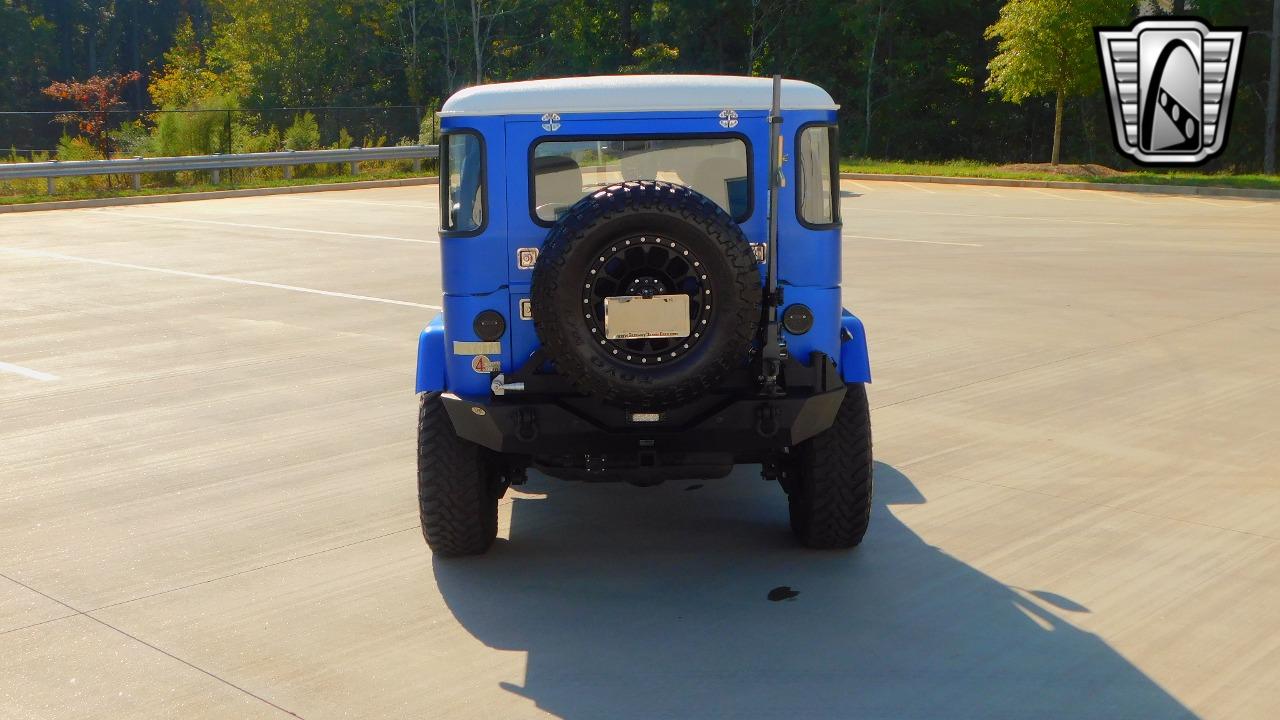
point(1086, 170)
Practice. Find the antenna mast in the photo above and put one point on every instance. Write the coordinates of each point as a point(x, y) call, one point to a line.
point(772, 348)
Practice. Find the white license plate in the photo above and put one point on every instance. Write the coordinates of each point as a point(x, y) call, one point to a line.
point(631, 317)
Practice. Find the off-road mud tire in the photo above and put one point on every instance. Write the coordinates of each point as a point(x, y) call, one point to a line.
point(665, 209)
point(830, 478)
point(458, 486)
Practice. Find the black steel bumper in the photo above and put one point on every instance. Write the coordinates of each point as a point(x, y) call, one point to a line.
point(736, 421)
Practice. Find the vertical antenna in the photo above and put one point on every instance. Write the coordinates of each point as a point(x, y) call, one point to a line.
point(771, 349)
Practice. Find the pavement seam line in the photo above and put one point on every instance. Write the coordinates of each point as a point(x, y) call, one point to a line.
point(252, 569)
point(169, 219)
point(192, 665)
point(42, 622)
point(218, 278)
point(76, 613)
point(304, 556)
point(44, 595)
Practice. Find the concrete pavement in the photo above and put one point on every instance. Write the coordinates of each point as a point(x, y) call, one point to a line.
point(207, 504)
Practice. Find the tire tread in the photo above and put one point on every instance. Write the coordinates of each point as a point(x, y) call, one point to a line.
point(576, 228)
point(831, 505)
point(456, 503)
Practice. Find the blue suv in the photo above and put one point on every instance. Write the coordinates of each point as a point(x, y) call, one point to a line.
point(641, 283)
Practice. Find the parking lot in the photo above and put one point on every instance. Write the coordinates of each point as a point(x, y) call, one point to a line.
point(207, 500)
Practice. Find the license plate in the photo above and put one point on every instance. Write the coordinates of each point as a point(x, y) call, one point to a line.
point(631, 317)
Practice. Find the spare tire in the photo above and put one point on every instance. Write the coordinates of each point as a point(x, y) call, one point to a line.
point(646, 238)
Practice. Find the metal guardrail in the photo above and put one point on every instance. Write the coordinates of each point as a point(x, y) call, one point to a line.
point(214, 164)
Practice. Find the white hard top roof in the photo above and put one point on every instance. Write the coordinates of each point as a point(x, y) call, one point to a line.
point(634, 93)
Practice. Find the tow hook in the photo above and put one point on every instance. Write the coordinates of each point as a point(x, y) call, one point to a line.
point(526, 425)
point(766, 421)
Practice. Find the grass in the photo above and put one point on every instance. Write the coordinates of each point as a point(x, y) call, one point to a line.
point(970, 168)
point(127, 191)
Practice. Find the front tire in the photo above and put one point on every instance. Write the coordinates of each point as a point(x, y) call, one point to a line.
point(830, 478)
point(459, 484)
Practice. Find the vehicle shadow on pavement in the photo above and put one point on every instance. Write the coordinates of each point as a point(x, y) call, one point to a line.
point(654, 603)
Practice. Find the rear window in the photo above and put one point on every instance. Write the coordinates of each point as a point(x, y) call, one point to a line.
point(816, 201)
point(462, 209)
point(563, 171)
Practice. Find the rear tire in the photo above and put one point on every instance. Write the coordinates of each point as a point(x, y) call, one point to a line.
point(830, 478)
point(459, 484)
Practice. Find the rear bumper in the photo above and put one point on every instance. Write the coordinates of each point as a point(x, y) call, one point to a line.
point(744, 428)
point(735, 422)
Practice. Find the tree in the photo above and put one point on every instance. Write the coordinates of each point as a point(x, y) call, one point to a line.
point(766, 17)
point(27, 40)
point(187, 79)
point(1046, 47)
point(1273, 92)
point(486, 16)
point(871, 65)
point(96, 98)
point(409, 22)
point(303, 52)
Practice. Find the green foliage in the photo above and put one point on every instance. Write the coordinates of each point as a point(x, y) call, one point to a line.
point(133, 139)
point(32, 191)
point(246, 137)
point(27, 40)
point(303, 134)
point(299, 52)
point(76, 148)
point(429, 128)
point(1047, 46)
point(187, 78)
point(199, 129)
point(655, 58)
point(27, 186)
point(344, 140)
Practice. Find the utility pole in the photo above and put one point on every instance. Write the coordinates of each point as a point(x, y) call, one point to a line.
point(1273, 92)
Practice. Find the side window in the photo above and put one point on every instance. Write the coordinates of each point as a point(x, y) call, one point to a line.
point(463, 206)
point(816, 200)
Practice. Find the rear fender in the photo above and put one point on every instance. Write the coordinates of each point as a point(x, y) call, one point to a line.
point(431, 357)
point(855, 364)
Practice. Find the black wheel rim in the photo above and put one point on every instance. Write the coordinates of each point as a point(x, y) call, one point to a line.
point(647, 264)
